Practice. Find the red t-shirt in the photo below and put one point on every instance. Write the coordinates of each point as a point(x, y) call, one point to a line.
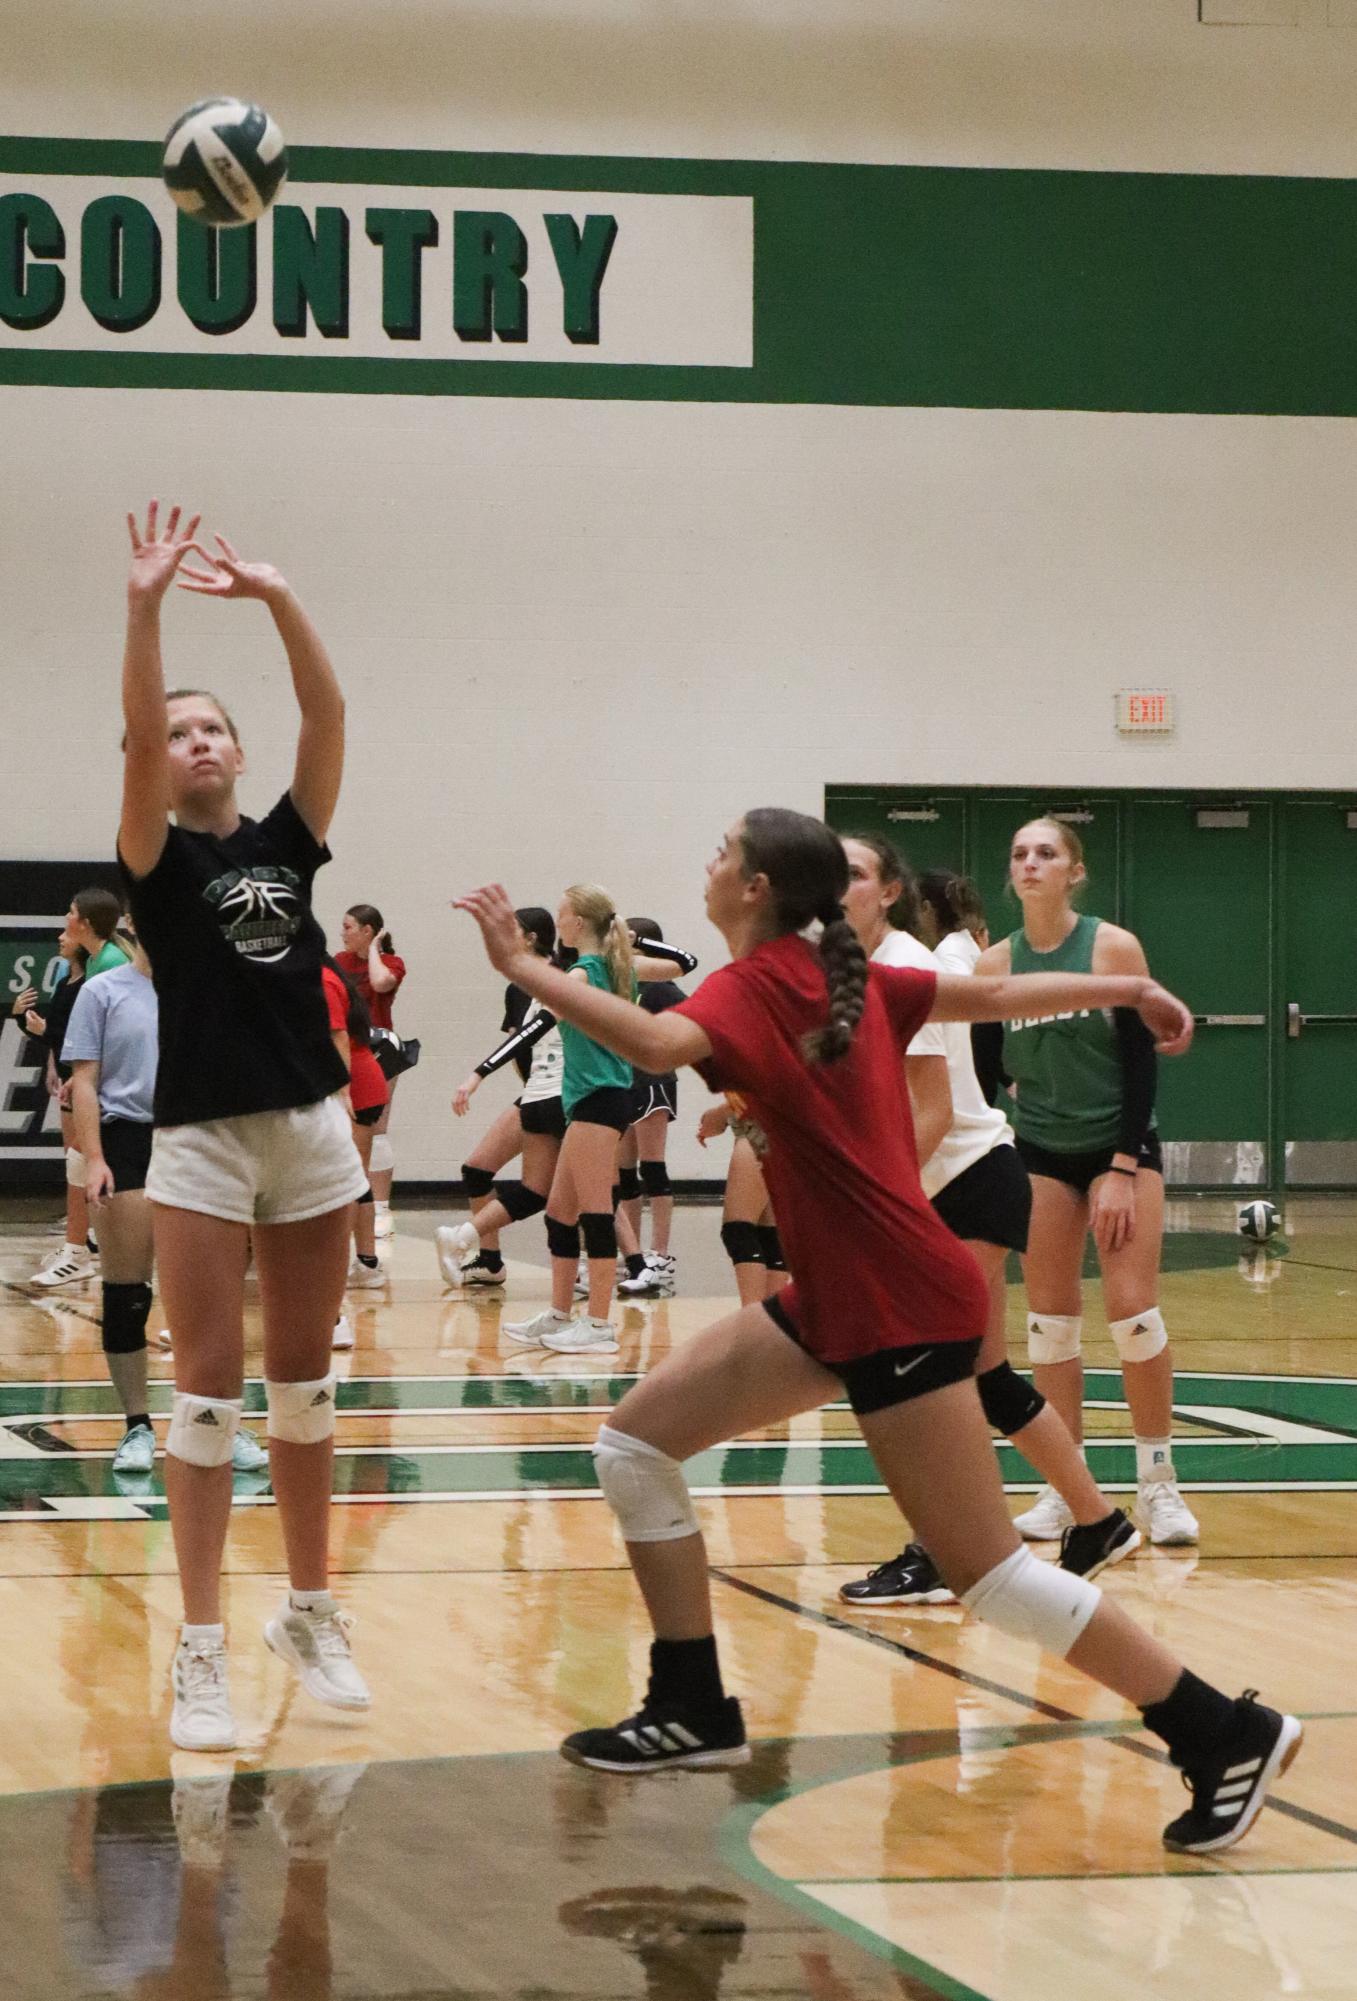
point(872, 1265)
point(367, 1085)
point(377, 1005)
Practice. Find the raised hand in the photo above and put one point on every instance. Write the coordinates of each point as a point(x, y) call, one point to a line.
point(500, 932)
point(1168, 1019)
point(157, 554)
point(229, 577)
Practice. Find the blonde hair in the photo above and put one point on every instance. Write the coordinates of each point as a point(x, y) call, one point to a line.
point(594, 907)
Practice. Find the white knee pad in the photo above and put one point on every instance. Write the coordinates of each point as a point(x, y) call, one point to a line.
point(301, 1413)
point(203, 1429)
point(1054, 1337)
point(383, 1158)
point(1029, 1600)
point(645, 1488)
point(75, 1167)
point(1142, 1337)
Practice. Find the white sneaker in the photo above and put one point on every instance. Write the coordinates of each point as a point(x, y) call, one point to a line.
point(1164, 1514)
point(247, 1454)
point(384, 1223)
point(307, 1808)
point(1046, 1520)
point(201, 1719)
point(583, 1336)
point(531, 1333)
point(455, 1242)
point(317, 1645)
point(582, 1279)
point(343, 1334)
point(136, 1451)
point(163, 1341)
point(657, 1281)
point(67, 1266)
point(364, 1278)
point(201, 1804)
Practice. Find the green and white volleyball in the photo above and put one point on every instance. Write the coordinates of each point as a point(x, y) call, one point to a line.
point(224, 162)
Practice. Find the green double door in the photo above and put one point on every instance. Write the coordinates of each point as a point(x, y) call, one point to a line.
point(1241, 905)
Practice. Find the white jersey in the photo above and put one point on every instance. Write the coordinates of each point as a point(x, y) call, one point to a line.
point(548, 1063)
point(976, 1127)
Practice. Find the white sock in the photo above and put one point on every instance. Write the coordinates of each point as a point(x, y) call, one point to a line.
point(1154, 1459)
point(311, 1601)
point(202, 1636)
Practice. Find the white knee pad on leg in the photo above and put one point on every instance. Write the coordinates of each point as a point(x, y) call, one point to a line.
point(301, 1413)
point(645, 1488)
point(383, 1158)
point(203, 1429)
point(75, 1167)
point(1034, 1601)
point(1142, 1337)
point(1054, 1337)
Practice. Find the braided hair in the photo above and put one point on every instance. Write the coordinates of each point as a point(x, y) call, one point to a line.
point(807, 872)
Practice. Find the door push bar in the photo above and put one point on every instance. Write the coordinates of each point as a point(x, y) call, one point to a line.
point(1230, 1020)
point(1296, 1021)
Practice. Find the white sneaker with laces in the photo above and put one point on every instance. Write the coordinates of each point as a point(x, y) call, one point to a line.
point(247, 1454)
point(1046, 1520)
point(136, 1451)
point(583, 1336)
point(384, 1222)
point(316, 1643)
point(67, 1266)
point(201, 1718)
point(1165, 1516)
point(343, 1334)
point(530, 1333)
point(455, 1242)
point(364, 1278)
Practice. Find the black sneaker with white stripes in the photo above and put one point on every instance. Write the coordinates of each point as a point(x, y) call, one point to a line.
point(1228, 1791)
point(1084, 1551)
point(665, 1736)
point(478, 1271)
point(912, 1578)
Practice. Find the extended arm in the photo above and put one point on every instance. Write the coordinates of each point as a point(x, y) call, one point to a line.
point(657, 961)
point(1029, 996)
point(523, 1038)
point(146, 752)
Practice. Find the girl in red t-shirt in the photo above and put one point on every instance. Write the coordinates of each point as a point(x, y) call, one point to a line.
point(885, 1304)
point(368, 1096)
point(369, 958)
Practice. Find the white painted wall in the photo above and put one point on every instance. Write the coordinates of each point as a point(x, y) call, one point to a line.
point(579, 638)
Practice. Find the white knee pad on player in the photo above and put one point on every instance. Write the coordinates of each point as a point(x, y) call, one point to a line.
point(203, 1429)
point(75, 1167)
point(383, 1158)
point(301, 1413)
point(645, 1488)
point(1054, 1337)
point(1142, 1337)
point(1034, 1601)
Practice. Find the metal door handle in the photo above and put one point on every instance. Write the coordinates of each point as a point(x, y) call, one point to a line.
point(1230, 1020)
point(1296, 1021)
point(1293, 1019)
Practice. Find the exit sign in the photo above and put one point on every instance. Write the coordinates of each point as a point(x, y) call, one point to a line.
point(1144, 712)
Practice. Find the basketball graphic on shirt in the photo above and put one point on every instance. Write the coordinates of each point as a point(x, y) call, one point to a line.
point(260, 911)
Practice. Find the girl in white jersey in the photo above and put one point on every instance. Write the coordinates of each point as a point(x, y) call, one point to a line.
point(972, 1175)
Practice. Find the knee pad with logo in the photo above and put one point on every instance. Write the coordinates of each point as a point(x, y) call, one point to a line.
point(644, 1487)
point(1034, 1601)
point(1140, 1337)
point(301, 1413)
point(125, 1311)
point(1054, 1337)
point(1008, 1400)
point(203, 1429)
point(743, 1243)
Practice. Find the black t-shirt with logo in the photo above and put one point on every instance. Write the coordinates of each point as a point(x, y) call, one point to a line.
point(236, 956)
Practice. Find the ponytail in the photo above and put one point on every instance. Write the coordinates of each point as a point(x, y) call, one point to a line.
point(371, 916)
point(619, 958)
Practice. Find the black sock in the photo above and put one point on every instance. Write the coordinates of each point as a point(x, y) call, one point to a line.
point(492, 1260)
point(686, 1671)
point(369, 1260)
point(139, 1418)
point(1193, 1719)
point(636, 1264)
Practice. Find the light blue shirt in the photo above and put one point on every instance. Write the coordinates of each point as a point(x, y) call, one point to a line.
point(115, 1023)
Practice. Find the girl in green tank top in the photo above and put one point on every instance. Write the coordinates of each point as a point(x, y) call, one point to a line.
point(1084, 1116)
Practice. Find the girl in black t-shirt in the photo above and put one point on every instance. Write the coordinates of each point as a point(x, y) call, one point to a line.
point(250, 1135)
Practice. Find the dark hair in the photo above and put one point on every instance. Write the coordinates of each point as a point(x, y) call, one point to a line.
point(540, 926)
point(891, 866)
point(644, 927)
point(358, 1023)
point(952, 900)
point(807, 871)
point(369, 914)
point(100, 908)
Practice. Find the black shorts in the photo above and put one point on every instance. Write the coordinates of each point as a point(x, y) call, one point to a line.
point(991, 1203)
point(1079, 1171)
point(545, 1116)
point(655, 1094)
point(126, 1146)
point(370, 1114)
point(614, 1105)
point(892, 1375)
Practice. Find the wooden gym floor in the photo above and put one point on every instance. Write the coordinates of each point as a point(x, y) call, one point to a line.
point(931, 1809)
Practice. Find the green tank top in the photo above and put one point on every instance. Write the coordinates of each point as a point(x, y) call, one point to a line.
point(588, 1065)
point(1067, 1067)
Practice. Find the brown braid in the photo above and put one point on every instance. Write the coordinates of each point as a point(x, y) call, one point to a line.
point(807, 871)
point(845, 965)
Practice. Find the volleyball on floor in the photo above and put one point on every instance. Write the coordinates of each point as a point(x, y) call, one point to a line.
point(1258, 1221)
point(224, 162)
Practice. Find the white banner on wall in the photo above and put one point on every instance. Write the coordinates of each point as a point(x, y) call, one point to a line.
point(382, 271)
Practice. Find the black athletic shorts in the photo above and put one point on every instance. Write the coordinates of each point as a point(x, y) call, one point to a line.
point(370, 1114)
point(892, 1375)
point(1079, 1171)
point(614, 1105)
point(991, 1203)
point(126, 1146)
point(655, 1094)
point(543, 1115)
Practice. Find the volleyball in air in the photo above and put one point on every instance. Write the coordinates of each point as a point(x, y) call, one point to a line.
point(224, 162)
point(1258, 1221)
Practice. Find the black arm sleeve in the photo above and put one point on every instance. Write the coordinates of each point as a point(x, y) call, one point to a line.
point(1139, 1076)
point(987, 1053)
point(655, 948)
point(525, 1039)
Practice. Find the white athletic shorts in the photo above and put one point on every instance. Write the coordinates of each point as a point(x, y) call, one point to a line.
point(266, 1167)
